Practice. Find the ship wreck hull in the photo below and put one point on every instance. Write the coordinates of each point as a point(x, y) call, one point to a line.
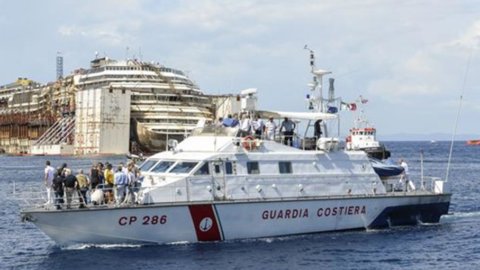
point(148, 141)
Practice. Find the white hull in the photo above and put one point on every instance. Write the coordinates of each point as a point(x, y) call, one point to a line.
point(216, 221)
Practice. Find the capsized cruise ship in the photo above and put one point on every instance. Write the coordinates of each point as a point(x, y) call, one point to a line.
point(165, 103)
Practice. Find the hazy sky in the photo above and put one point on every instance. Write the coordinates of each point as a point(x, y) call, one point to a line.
point(408, 58)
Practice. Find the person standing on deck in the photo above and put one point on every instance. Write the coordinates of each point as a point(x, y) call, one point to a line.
point(317, 127)
point(405, 173)
point(94, 176)
point(109, 181)
point(121, 181)
point(245, 125)
point(58, 187)
point(83, 184)
point(64, 167)
point(48, 178)
point(71, 186)
point(124, 168)
point(132, 179)
point(270, 128)
point(289, 127)
point(258, 126)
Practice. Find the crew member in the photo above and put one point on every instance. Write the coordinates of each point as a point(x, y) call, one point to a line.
point(270, 128)
point(48, 178)
point(405, 173)
point(289, 127)
point(318, 129)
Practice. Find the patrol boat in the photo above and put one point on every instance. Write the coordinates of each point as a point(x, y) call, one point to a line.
point(220, 184)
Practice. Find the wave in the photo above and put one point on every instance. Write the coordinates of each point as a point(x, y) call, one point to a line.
point(455, 215)
point(100, 246)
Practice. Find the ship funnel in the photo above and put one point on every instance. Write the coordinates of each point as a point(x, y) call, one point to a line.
point(331, 89)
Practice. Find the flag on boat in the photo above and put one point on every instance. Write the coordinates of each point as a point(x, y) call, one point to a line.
point(348, 106)
point(363, 100)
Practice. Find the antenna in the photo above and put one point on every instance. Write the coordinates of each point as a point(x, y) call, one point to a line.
point(458, 113)
point(312, 57)
point(59, 65)
point(316, 102)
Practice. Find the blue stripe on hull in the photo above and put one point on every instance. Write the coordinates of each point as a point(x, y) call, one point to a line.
point(410, 215)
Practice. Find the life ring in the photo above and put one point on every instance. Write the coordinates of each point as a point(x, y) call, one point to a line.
point(348, 139)
point(248, 142)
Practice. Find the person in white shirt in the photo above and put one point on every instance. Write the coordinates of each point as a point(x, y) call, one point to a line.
point(48, 178)
point(245, 125)
point(270, 128)
point(405, 178)
point(258, 127)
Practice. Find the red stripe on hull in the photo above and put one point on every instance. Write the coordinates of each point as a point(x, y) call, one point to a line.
point(205, 222)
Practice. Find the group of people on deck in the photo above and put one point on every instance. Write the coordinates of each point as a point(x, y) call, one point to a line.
point(102, 185)
point(260, 129)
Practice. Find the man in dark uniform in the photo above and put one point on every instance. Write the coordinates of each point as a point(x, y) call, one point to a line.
point(289, 127)
point(71, 185)
point(57, 186)
point(318, 129)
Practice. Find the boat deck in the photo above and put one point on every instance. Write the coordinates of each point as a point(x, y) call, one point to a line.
point(34, 200)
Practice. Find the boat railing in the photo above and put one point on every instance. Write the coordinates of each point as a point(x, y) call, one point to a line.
point(35, 197)
point(28, 196)
point(427, 184)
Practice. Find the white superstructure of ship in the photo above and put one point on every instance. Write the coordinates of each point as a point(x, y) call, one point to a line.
point(165, 103)
point(219, 184)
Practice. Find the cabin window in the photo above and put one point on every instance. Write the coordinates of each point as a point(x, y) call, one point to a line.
point(203, 170)
point(228, 167)
point(285, 167)
point(162, 166)
point(147, 165)
point(217, 168)
point(183, 167)
point(253, 168)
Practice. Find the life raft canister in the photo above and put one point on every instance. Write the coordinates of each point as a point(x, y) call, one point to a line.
point(248, 142)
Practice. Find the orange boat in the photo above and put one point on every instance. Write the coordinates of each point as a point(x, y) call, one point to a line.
point(473, 142)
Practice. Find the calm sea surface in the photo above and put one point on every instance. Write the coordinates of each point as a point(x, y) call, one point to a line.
point(452, 244)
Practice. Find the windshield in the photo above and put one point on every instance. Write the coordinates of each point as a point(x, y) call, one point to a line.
point(162, 166)
point(183, 167)
point(147, 165)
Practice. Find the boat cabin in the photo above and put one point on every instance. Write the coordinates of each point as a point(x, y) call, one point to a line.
point(361, 138)
point(215, 164)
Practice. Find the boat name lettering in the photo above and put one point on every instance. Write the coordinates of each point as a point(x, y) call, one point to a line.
point(146, 220)
point(285, 213)
point(321, 212)
point(341, 211)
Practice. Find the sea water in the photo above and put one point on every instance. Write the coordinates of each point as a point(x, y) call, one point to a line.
point(454, 243)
